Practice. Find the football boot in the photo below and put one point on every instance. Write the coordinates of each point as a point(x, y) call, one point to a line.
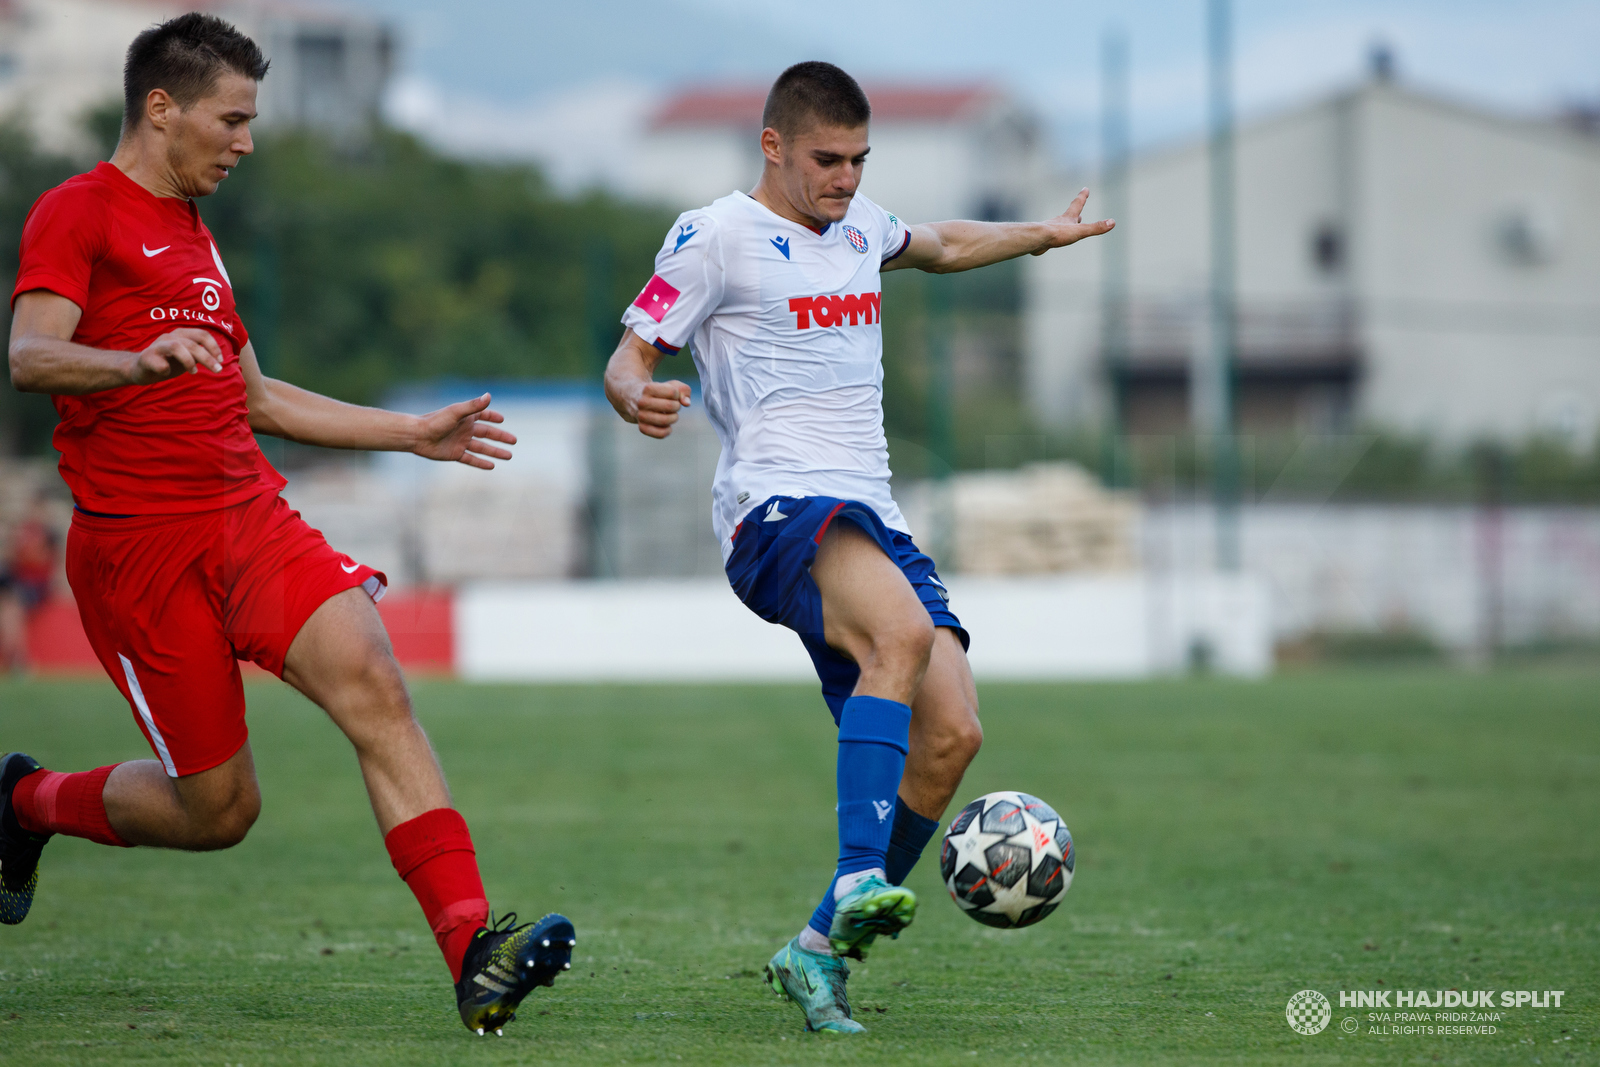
point(873, 907)
point(19, 849)
point(505, 962)
point(815, 981)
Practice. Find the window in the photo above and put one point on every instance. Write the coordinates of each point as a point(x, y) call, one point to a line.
point(1327, 248)
point(322, 79)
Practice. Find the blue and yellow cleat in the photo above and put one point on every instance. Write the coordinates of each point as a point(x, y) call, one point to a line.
point(874, 907)
point(505, 962)
point(815, 982)
point(19, 849)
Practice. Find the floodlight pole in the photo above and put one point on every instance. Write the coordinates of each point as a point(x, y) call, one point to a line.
point(1114, 265)
point(1223, 339)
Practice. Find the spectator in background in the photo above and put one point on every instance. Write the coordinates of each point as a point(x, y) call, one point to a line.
point(26, 572)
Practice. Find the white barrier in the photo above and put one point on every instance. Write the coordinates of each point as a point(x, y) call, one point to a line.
point(1049, 627)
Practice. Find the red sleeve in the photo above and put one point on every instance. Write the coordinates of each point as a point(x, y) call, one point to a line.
point(61, 242)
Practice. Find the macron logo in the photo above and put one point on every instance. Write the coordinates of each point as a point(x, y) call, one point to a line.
point(782, 245)
point(773, 515)
point(148, 251)
point(863, 308)
point(883, 808)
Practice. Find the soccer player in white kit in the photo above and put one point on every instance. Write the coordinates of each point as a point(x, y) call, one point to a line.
point(777, 294)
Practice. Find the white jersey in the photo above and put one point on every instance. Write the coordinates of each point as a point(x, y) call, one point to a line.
point(785, 329)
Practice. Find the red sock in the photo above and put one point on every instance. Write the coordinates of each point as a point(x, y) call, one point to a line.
point(50, 802)
point(434, 854)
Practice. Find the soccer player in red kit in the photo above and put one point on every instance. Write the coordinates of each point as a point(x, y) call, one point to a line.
point(182, 555)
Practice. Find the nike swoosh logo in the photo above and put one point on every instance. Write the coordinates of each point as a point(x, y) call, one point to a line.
point(350, 569)
point(155, 251)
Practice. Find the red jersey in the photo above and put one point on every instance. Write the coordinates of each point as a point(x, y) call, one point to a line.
point(139, 265)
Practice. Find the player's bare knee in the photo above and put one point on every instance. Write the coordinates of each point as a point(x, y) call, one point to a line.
point(906, 648)
point(968, 739)
point(226, 826)
point(376, 683)
point(955, 743)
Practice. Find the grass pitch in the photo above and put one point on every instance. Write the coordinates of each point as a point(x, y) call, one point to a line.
point(1238, 842)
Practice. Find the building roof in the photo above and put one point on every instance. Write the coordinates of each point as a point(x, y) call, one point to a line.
point(740, 105)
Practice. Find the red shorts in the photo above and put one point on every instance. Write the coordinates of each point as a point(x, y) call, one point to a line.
point(171, 602)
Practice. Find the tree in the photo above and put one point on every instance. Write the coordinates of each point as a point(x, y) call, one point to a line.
point(358, 271)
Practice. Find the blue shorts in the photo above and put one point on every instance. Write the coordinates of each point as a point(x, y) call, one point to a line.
point(770, 570)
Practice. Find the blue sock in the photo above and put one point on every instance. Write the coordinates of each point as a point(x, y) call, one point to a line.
point(874, 735)
point(908, 839)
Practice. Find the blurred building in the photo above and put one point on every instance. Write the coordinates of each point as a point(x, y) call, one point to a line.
point(61, 58)
point(1403, 261)
point(585, 495)
point(939, 151)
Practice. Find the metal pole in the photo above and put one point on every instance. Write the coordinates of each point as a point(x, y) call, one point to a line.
point(1223, 310)
point(941, 413)
point(1114, 93)
point(602, 331)
point(941, 432)
point(266, 311)
point(267, 305)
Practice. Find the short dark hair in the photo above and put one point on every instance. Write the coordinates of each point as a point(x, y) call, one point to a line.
point(814, 92)
point(186, 56)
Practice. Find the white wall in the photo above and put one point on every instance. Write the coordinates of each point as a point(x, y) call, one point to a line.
point(1121, 626)
point(1423, 568)
point(59, 58)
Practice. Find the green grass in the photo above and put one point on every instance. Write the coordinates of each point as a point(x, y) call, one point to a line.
point(1239, 842)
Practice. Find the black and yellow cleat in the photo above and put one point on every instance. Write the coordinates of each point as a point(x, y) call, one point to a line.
point(505, 962)
point(19, 849)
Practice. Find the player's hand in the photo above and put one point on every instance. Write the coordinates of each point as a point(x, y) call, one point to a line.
point(182, 351)
point(461, 433)
point(655, 407)
point(1069, 228)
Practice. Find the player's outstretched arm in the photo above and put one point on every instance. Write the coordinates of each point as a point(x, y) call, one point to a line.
point(43, 358)
point(947, 247)
point(461, 433)
point(633, 391)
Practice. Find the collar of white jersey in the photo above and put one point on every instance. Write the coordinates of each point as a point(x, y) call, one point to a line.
point(764, 209)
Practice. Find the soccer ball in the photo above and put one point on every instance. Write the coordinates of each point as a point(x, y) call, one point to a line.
point(1007, 859)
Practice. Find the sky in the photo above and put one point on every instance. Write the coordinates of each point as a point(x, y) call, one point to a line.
point(571, 84)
